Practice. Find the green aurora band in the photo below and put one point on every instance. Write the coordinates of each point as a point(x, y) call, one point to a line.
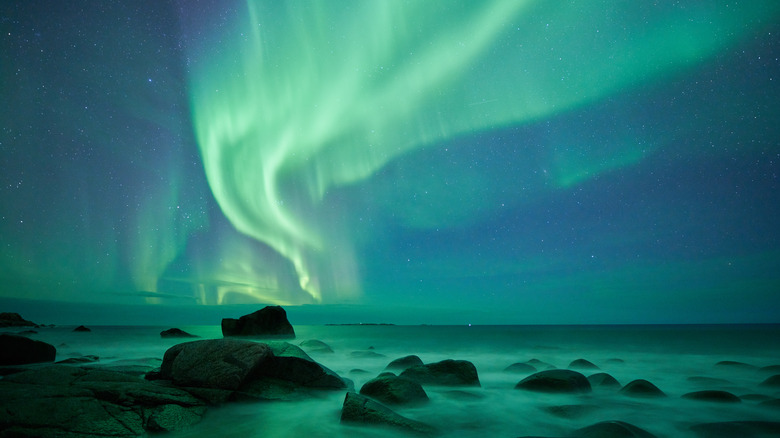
point(304, 97)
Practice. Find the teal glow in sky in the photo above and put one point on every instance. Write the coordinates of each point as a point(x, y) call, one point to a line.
point(520, 160)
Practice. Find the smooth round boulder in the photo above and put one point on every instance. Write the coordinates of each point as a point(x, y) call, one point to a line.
point(270, 321)
point(603, 380)
point(445, 373)
point(19, 350)
point(316, 346)
point(394, 390)
point(555, 381)
point(712, 396)
point(582, 364)
point(176, 333)
point(402, 363)
point(362, 410)
point(772, 381)
point(642, 388)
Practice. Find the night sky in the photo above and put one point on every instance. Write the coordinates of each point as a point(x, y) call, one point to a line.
point(433, 161)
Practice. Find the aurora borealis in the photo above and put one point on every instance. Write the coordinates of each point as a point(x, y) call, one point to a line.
point(524, 160)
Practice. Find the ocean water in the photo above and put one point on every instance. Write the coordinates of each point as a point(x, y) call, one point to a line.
point(667, 356)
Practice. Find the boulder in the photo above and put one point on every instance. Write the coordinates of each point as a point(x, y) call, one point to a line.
point(570, 412)
point(317, 346)
point(402, 363)
point(582, 364)
point(735, 364)
point(772, 381)
point(176, 333)
point(642, 388)
point(612, 429)
point(81, 328)
point(79, 360)
point(520, 368)
point(603, 380)
point(18, 350)
point(270, 321)
point(445, 373)
point(712, 396)
point(10, 319)
point(91, 402)
point(555, 381)
point(394, 390)
point(236, 368)
point(359, 409)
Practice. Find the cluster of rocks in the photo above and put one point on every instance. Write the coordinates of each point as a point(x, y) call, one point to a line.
point(75, 397)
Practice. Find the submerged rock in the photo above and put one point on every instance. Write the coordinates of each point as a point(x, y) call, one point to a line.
point(394, 390)
point(79, 360)
point(12, 319)
point(19, 350)
point(642, 388)
point(556, 381)
point(603, 380)
point(81, 328)
point(402, 363)
point(362, 410)
point(570, 411)
point(445, 373)
point(61, 400)
point(712, 396)
point(176, 333)
point(735, 364)
point(582, 364)
point(772, 381)
point(268, 321)
point(612, 429)
point(520, 368)
point(316, 346)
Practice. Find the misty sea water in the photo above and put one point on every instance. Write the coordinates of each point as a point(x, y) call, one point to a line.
point(666, 355)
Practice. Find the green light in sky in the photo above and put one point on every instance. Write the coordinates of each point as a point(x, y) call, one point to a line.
point(302, 97)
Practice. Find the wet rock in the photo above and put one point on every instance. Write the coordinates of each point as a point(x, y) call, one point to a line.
point(82, 329)
point(88, 402)
point(19, 350)
point(772, 381)
point(555, 381)
point(612, 429)
point(735, 364)
point(12, 319)
point(269, 321)
point(246, 369)
point(362, 410)
point(176, 333)
point(445, 373)
point(642, 388)
point(520, 368)
point(603, 380)
point(366, 354)
point(712, 396)
point(582, 364)
point(741, 429)
point(540, 365)
point(394, 390)
point(770, 369)
point(79, 360)
point(317, 346)
point(402, 363)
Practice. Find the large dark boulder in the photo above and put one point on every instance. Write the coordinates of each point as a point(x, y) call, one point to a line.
point(612, 429)
point(642, 388)
point(712, 396)
point(19, 350)
point(270, 321)
point(65, 401)
point(402, 363)
point(10, 319)
point(176, 333)
point(555, 381)
point(394, 390)
point(445, 373)
point(359, 409)
point(771, 381)
point(236, 368)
